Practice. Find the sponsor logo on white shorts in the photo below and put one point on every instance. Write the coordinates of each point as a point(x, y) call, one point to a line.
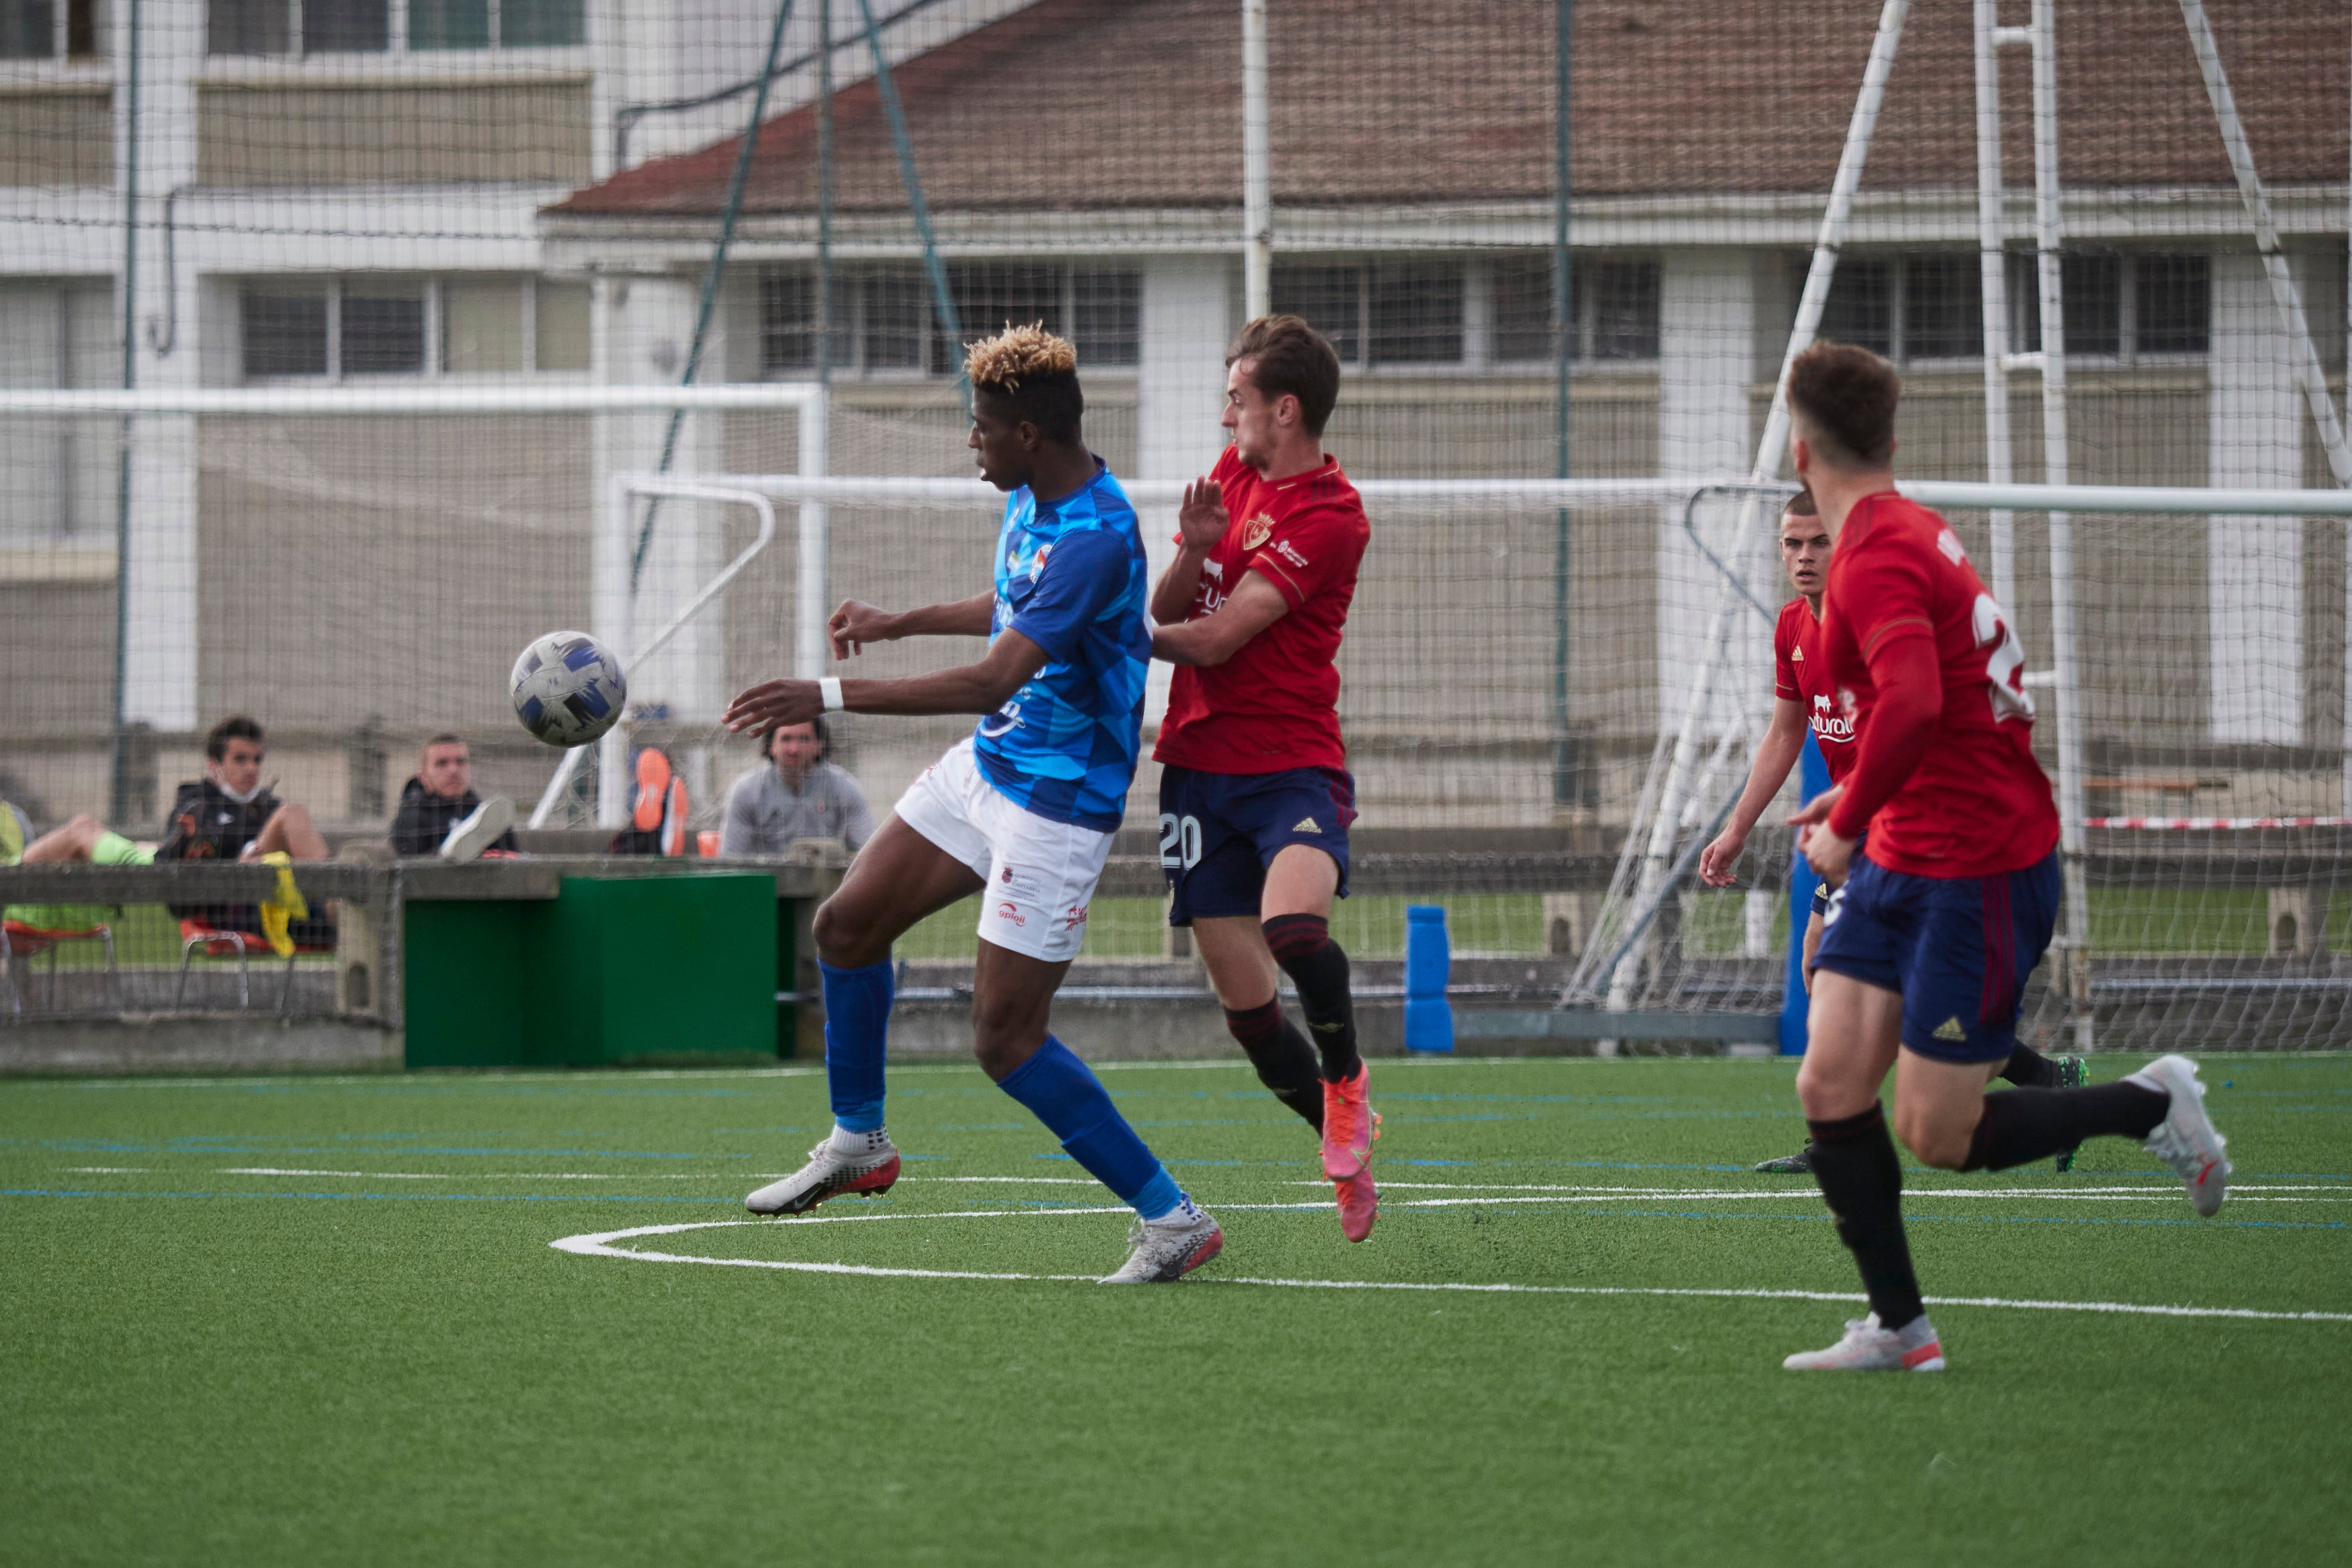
point(1019, 883)
point(1010, 912)
point(1074, 917)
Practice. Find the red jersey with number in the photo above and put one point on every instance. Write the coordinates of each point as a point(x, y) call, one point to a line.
point(1274, 704)
point(1802, 676)
point(1978, 804)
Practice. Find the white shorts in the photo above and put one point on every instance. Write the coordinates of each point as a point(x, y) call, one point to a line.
point(1040, 874)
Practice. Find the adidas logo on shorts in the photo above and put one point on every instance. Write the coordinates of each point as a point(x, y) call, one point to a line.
point(1950, 1029)
point(1306, 824)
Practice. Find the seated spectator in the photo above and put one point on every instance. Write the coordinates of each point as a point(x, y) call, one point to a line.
point(231, 815)
point(83, 839)
point(802, 794)
point(441, 814)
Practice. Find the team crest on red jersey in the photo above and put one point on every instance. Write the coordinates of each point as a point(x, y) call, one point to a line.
point(1256, 531)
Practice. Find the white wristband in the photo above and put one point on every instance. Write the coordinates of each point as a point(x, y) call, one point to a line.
point(830, 687)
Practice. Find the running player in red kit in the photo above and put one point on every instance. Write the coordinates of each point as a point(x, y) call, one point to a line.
point(1803, 695)
point(1254, 795)
point(1946, 912)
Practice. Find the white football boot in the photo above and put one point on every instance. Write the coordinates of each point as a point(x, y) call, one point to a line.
point(2186, 1140)
point(1869, 1348)
point(1167, 1251)
point(870, 1168)
point(479, 829)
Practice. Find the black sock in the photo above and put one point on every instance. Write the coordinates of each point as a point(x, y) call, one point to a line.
point(1302, 944)
point(1285, 1061)
point(2022, 1125)
point(1862, 1181)
point(2029, 1069)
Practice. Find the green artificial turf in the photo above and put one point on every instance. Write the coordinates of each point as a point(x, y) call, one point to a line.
point(375, 1356)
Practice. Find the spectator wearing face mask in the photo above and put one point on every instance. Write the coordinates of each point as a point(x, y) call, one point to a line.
point(231, 814)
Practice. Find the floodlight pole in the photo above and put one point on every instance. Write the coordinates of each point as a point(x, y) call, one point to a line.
point(1993, 262)
point(117, 771)
point(2049, 235)
point(1656, 880)
point(1257, 185)
point(1563, 759)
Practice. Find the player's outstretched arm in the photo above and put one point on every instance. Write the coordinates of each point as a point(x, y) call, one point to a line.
point(1253, 606)
point(854, 624)
point(1775, 755)
point(1200, 524)
point(982, 688)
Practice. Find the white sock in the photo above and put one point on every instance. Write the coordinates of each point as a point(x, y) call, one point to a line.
point(1916, 1332)
point(845, 1142)
point(1186, 1212)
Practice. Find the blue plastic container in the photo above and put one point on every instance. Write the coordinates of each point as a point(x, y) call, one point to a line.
point(1428, 962)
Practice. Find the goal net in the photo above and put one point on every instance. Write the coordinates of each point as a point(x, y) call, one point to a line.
point(399, 288)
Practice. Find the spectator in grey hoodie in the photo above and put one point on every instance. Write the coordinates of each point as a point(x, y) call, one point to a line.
point(801, 794)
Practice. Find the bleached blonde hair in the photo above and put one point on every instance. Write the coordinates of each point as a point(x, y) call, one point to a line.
point(1016, 354)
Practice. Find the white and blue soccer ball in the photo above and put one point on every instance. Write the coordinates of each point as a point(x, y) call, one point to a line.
point(569, 688)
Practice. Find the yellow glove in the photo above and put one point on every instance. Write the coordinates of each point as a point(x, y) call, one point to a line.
point(288, 906)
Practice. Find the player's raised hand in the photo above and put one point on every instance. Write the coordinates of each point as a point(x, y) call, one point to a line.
point(763, 707)
point(1201, 519)
point(1715, 861)
point(854, 626)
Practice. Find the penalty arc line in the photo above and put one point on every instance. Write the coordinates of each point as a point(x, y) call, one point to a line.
point(599, 1244)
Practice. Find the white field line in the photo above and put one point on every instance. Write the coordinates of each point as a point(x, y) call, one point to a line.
point(600, 1244)
point(107, 1170)
point(1493, 1193)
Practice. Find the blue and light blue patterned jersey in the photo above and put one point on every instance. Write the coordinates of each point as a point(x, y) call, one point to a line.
point(1070, 578)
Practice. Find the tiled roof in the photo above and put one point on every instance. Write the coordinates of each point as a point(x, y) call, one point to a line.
point(1083, 105)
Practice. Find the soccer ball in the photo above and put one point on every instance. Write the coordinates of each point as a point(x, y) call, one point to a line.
point(568, 688)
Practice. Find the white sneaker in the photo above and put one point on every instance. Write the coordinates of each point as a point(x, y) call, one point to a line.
point(830, 1173)
point(2186, 1140)
point(479, 829)
point(1167, 1252)
point(1869, 1348)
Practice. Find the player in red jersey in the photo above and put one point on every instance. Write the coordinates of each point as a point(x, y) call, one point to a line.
point(1254, 795)
point(1804, 695)
point(1945, 914)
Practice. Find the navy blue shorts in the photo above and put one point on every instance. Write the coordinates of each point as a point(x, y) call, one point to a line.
point(1957, 948)
point(1219, 832)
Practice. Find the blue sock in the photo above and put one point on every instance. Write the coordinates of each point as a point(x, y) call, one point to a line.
point(1063, 1092)
point(857, 1029)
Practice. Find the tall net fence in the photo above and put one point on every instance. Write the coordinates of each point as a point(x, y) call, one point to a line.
point(327, 195)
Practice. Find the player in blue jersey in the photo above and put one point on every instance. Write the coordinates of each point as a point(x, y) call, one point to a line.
point(1024, 809)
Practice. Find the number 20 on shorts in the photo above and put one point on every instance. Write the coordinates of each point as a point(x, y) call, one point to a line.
point(1180, 841)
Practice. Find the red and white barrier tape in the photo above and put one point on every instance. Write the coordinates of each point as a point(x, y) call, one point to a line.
point(2209, 823)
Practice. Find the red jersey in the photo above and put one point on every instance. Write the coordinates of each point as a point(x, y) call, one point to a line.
point(1977, 804)
point(1275, 703)
point(1802, 675)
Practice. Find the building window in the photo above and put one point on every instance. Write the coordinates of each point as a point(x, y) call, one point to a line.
point(366, 26)
point(2172, 299)
point(495, 24)
point(1943, 307)
point(1861, 307)
point(883, 321)
point(1612, 309)
point(2118, 306)
point(375, 325)
point(1330, 300)
point(52, 29)
point(61, 471)
point(1931, 306)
